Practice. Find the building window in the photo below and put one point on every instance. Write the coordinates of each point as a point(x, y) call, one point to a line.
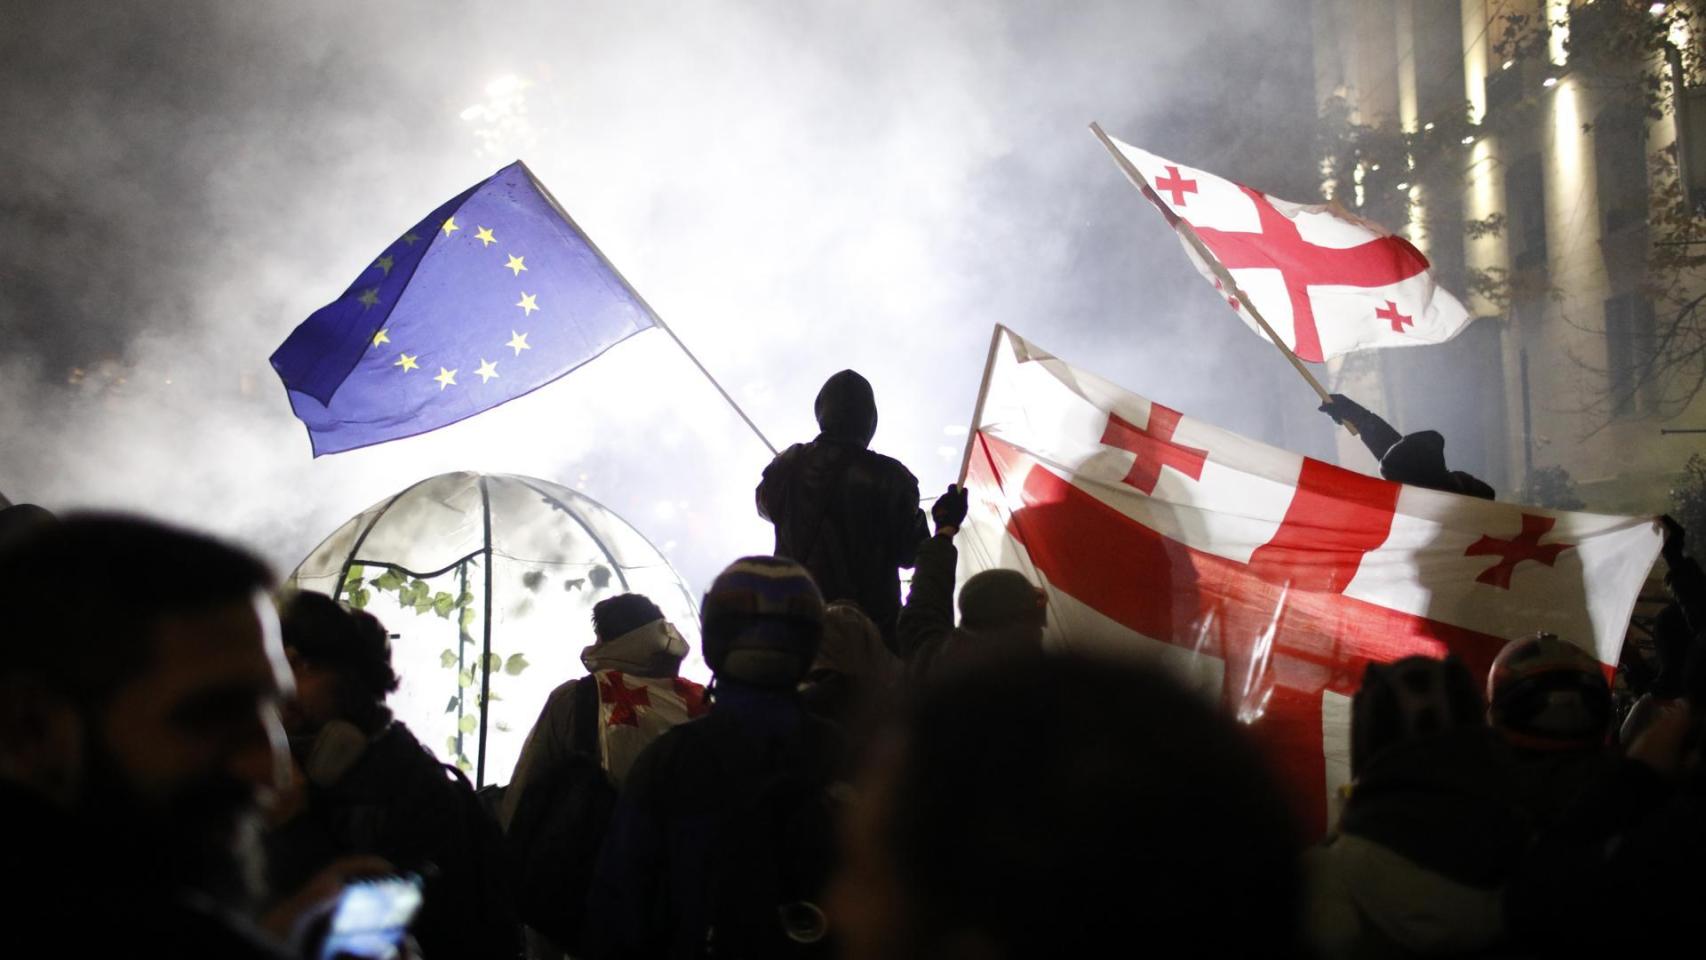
point(1692, 107)
point(1620, 159)
point(1628, 351)
point(1525, 208)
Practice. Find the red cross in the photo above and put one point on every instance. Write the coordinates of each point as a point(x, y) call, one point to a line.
point(622, 699)
point(1399, 320)
point(1154, 446)
point(1278, 245)
point(693, 696)
point(1526, 546)
point(1176, 185)
point(1323, 640)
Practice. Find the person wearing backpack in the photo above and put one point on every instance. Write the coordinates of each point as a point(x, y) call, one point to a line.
point(365, 785)
point(723, 839)
point(578, 754)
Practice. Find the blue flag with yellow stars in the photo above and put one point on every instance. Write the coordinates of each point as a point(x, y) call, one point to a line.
point(493, 295)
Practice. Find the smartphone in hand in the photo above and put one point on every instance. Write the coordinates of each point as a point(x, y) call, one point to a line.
point(372, 918)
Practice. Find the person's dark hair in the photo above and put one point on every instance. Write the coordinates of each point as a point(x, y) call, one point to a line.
point(1055, 806)
point(351, 642)
point(84, 596)
point(615, 616)
point(1411, 699)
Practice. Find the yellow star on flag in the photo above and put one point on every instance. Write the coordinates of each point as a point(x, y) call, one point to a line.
point(385, 263)
point(411, 238)
point(488, 369)
point(450, 226)
point(527, 304)
point(369, 297)
point(515, 264)
point(445, 378)
point(518, 342)
point(381, 337)
point(484, 235)
point(407, 362)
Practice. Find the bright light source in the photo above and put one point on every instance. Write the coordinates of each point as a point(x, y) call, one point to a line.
point(1549, 82)
point(1508, 64)
point(472, 112)
point(1404, 186)
point(1375, 167)
point(504, 86)
point(1657, 9)
point(1469, 139)
point(1428, 126)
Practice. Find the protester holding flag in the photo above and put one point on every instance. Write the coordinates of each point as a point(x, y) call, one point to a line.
point(1417, 459)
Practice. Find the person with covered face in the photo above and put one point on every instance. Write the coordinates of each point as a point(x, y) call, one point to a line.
point(1417, 459)
point(847, 514)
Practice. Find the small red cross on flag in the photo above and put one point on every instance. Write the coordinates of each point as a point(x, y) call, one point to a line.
point(623, 701)
point(1328, 282)
point(1266, 579)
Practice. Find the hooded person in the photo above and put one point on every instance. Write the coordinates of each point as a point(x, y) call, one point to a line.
point(1551, 702)
point(854, 671)
point(632, 692)
point(1431, 830)
point(849, 515)
point(1417, 459)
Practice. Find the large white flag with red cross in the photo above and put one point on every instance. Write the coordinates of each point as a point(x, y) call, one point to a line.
point(1326, 281)
point(633, 711)
point(1268, 579)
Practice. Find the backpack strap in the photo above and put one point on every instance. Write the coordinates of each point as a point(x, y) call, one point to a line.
point(586, 718)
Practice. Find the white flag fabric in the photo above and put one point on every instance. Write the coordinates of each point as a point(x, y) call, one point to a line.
point(1327, 282)
point(1267, 578)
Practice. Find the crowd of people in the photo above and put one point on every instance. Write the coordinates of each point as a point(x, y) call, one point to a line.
point(194, 765)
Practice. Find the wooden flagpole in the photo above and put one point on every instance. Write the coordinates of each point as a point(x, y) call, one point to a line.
point(982, 394)
point(1220, 272)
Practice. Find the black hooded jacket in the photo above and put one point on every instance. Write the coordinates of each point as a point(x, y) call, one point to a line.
point(848, 515)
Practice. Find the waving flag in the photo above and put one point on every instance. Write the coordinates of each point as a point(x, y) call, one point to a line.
point(1326, 281)
point(495, 294)
point(1268, 579)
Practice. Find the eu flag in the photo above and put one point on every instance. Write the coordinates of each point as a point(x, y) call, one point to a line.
point(493, 295)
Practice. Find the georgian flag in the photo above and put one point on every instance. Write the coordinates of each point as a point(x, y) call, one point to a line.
point(1326, 281)
point(1266, 579)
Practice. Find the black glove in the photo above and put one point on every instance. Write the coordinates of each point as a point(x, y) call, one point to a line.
point(949, 510)
point(1341, 408)
point(1675, 539)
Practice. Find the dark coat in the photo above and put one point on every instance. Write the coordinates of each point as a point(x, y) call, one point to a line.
point(848, 515)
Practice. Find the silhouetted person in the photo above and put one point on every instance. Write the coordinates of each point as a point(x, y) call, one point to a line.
point(847, 514)
point(19, 520)
point(1417, 459)
point(854, 675)
point(1002, 614)
point(1067, 807)
point(723, 838)
point(369, 787)
point(557, 805)
point(1431, 830)
point(140, 675)
point(1550, 701)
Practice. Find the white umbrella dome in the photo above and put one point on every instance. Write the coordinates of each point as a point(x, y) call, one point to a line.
point(487, 583)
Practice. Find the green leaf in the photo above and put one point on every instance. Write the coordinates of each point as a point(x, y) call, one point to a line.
point(455, 701)
point(515, 664)
point(465, 765)
point(416, 591)
point(389, 580)
point(493, 695)
point(423, 604)
point(443, 603)
point(494, 663)
point(467, 619)
point(447, 658)
point(467, 723)
point(356, 572)
point(450, 745)
point(358, 598)
point(467, 599)
point(503, 727)
point(464, 679)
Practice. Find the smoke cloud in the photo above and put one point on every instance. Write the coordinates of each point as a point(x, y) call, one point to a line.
point(796, 188)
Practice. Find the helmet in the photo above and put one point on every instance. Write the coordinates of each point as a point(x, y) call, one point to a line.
point(762, 621)
point(1410, 699)
point(1546, 694)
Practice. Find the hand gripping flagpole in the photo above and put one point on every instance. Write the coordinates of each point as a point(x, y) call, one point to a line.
point(656, 320)
point(1220, 272)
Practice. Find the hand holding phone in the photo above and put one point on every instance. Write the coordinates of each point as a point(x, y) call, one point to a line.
point(371, 920)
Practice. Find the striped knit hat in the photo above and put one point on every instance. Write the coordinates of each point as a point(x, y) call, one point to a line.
point(762, 621)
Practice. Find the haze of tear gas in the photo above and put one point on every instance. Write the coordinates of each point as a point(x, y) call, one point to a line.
point(797, 188)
